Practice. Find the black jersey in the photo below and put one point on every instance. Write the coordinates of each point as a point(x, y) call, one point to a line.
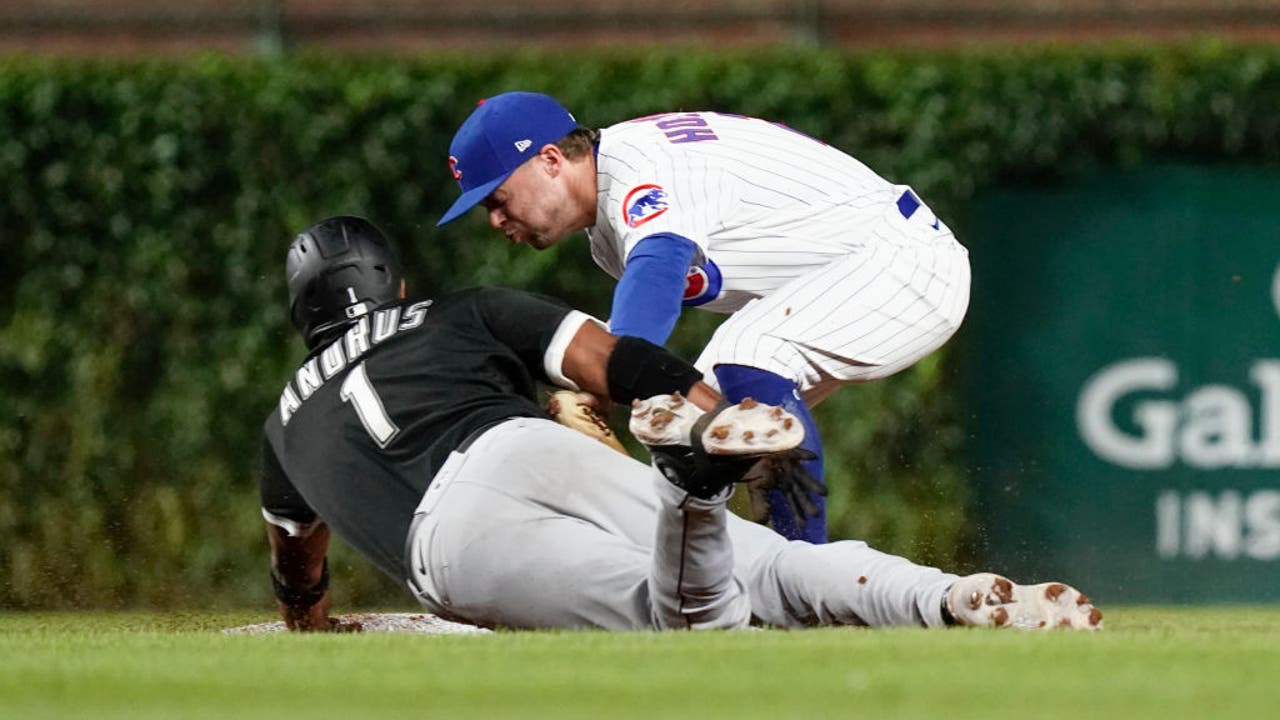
point(368, 418)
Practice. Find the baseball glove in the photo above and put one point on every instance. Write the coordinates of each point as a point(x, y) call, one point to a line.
point(568, 409)
point(785, 474)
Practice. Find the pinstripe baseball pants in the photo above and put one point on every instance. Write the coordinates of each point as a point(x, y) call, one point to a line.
point(863, 317)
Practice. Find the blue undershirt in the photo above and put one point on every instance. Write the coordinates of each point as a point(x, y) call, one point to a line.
point(647, 300)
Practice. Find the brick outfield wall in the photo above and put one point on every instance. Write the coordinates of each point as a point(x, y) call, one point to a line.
point(146, 26)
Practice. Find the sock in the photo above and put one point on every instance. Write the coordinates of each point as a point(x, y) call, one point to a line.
point(948, 618)
point(740, 381)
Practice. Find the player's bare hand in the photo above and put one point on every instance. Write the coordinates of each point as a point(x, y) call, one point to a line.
point(326, 623)
point(345, 625)
point(315, 618)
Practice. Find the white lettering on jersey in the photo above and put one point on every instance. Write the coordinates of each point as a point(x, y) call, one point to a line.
point(308, 378)
point(415, 315)
point(385, 324)
point(334, 358)
point(289, 403)
point(357, 339)
point(332, 361)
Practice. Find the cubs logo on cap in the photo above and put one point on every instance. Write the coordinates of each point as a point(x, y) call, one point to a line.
point(499, 136)
point(643, 203)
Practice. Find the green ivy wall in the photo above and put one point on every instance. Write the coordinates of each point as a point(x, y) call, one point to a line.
point(145, 208)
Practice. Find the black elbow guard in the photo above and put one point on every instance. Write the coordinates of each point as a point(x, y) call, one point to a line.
point(639, 369)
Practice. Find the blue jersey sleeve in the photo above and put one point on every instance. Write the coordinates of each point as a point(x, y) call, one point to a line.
point(646, 302)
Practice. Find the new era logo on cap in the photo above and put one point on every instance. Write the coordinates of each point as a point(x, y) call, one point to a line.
point(495, 140)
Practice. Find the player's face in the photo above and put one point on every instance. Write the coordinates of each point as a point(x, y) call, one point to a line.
point(532, 206)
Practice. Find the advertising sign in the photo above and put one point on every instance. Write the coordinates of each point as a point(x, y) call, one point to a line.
point(1123, 383)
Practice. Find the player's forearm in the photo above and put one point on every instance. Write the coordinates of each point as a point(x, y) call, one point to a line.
point(646, 302)
point(703, 395)
point(300, 577)
point(642, 370)
point(587, 357)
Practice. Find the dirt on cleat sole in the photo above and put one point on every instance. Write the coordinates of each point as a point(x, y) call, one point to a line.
point(747, 428)
point(990, 600)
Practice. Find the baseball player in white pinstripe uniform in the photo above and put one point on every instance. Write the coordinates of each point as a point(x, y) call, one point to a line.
point(832, 274)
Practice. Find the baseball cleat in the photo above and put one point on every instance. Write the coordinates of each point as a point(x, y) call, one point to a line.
point(747, 428)
point(704, 453)
point(990, 600)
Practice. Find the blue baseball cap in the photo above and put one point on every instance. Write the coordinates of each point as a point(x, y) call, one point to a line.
point(501, 134)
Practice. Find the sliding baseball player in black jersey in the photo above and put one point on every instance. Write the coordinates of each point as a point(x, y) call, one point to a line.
point(412, 430)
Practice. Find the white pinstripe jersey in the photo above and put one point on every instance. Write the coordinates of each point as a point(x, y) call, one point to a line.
point(764, 203)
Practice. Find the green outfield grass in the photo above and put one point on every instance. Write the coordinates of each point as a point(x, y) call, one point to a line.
point(1148, 663)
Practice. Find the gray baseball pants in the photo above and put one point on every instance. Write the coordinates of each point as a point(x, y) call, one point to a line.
point(535, 525)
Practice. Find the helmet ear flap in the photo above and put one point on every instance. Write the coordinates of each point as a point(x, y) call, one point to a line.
point(338, 270)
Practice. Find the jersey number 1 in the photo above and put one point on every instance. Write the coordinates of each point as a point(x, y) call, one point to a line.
point(357, 390)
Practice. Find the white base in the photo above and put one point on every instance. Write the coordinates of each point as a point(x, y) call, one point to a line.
point(411, 623)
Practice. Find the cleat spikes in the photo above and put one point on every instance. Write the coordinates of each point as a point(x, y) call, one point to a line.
point(989, 600)
point(748, 428)
point(706, 453)
point(661, 418)
point(1002, 589)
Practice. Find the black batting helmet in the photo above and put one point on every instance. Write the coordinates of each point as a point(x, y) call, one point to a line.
point(337, 270)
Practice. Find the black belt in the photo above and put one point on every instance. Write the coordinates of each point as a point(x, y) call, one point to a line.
point(474, 435)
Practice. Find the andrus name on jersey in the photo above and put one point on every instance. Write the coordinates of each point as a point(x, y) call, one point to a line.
point(337, 355)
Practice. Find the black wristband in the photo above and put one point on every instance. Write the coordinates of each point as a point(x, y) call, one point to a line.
point(639, 369)
point(301, 598)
